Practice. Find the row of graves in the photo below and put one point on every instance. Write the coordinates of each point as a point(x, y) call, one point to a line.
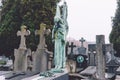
point(85, 61)
point(96, 61)
point(28, 63)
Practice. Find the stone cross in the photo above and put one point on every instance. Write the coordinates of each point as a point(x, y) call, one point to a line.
point(23, 33)
point(42, 32)
point(82, 40)
point(100, 57)
point(72, 46)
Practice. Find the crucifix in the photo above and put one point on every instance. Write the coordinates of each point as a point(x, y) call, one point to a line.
point(23, 33)
point(82, 40)
point(71, 46)
point(42, 32)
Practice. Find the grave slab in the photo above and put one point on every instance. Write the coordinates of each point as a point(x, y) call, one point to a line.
point(18, 75)
point(57, 76)
point(90, 70)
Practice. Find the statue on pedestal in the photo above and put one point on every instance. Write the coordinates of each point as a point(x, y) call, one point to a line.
point(59, 34)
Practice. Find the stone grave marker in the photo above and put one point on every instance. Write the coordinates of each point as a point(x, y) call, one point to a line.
point(82, 40)
point(71, 55)
point(81, 57)
point(82, 49)
point(40, 60)
point(100, 57)
point(92, 54)
point(20, 62)
point(71, 63)
point(92, 58)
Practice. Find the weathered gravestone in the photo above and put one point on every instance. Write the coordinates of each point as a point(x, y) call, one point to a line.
point(40, 57)
point(81, 57)
point(100, 43)
point(71, 63)
point(111, 60)
point(82, 49)
point(20, 63)
point(92, 58)
point(71, 55)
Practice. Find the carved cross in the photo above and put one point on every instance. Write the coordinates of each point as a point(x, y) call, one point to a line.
point(23, 33)
point(82, 40)
point(72, 46)
point(42, 32)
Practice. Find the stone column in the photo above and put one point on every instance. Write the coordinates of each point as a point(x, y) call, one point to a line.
point(100, 57)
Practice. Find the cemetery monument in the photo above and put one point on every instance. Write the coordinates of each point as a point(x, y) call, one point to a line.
point(40, 57)
point(59, 34)
point(20, 63)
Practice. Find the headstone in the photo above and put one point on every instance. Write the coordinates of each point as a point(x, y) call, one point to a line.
point(82, 49)
point(111, 61)
point(71, 55)
point(82, 40)
point(20, 62)
point(92, 58)
point(71, 63)
point(100, 57)
point(40, 58)
point(81, 57)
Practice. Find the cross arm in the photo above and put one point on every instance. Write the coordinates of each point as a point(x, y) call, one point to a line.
point(27, 33)
point(18, 33)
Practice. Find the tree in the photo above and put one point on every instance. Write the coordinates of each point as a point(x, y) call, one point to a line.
point(24, 12)
point(115, 33)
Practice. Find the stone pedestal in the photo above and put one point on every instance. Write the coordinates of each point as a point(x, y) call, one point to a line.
point(40, 60)
point(20, 63)
point(71, 66)
point(100, 56)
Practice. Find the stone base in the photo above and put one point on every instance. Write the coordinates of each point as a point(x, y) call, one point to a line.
point(57, 76)
point(20, 62)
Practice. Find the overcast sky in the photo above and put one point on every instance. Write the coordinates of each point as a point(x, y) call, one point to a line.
point(88, 18)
